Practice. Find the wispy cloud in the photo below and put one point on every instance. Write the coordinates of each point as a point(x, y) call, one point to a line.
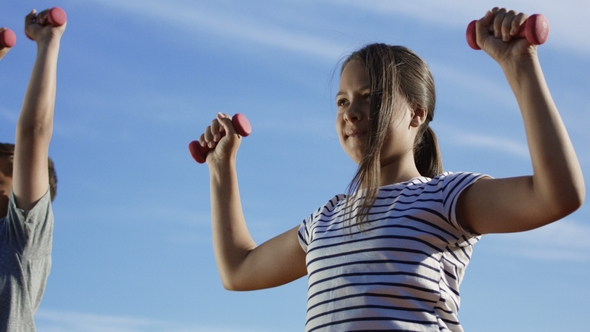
point(310, 126)
point(194, 17)
point(497, 143)
point(54, 321)
point(8, 115)
point(475, 85)
point(78, 130)
point(67, 321)
point(147, 212)
point(564, 240)
point(564, 16)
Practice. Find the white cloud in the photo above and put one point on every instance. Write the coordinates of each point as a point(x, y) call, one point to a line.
point(497, 143)
point(310, 126)
point(158, 213)
point(77, 130)
point(564, 240)
point(565, 17)
point(193, 17)
point(53, 321)
point(219, 21)
point(8, 115)
point(67, 321)
point(475, 85)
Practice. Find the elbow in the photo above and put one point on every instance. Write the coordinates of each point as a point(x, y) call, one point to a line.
point(228, 284)
point(577, 196)
point(578, 200)
point(231, 285)
point(231, 281)
point(35, 129)
point(570, 207)
point(571, 201)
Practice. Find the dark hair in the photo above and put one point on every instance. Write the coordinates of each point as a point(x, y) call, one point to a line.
point(398, 77)
point(7, 150)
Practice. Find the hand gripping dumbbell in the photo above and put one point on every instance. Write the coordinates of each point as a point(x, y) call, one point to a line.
point(535, 29)
point(242, 127)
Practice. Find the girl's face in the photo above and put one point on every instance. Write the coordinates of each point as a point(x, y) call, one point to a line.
point(352, 121)
point(353, 102)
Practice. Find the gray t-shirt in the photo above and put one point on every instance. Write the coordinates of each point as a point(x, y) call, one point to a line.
point(25, 262)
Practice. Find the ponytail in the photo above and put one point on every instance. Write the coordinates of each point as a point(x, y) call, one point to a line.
point(427, 153)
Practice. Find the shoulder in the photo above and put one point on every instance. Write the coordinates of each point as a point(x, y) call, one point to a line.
point(40, 208)
point(452, 183)
point(448, 177)
point(324, 215)
point(451, 186)
point(331, 207)
point(31, 230)
point(445, 184)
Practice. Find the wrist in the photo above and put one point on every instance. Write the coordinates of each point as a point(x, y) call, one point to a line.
point(48, 42)
point(221, 170)
point(519, 64)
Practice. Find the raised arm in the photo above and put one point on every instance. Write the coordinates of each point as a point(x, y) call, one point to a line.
point(241, 263)
point(35, 123)
point(556, 187)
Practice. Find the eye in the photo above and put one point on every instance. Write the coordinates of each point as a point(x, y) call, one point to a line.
point(367, 96)
point(341, 102)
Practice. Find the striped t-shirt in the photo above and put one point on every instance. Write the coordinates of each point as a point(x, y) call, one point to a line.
point(401, 270)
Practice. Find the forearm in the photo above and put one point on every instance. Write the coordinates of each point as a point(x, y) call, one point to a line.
point(557, 176)
point(37, 111)
point(231, 240)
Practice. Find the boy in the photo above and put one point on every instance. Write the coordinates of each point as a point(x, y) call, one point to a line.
point(27, 187)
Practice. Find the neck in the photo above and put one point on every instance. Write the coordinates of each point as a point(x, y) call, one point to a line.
point(398, 170)
point(3, 206)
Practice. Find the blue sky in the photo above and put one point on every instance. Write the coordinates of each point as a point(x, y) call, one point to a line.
point(138, 80)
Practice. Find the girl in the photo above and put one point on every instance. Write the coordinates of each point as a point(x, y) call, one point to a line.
point(390, 255)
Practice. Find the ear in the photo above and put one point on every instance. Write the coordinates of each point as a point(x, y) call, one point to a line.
point(6, 167)
point(418, 117)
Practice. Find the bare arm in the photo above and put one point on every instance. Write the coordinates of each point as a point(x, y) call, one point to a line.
point(35, 123)
point(556, 187)
point(242, 264)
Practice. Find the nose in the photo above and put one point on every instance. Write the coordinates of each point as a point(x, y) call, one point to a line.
point(354, 112)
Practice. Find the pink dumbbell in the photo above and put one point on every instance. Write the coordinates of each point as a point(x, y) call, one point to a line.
point(56, 17)
point(240, 123)
point(7, 38)
point(535, 29)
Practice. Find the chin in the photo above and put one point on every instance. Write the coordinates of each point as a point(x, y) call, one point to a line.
point(355, 158)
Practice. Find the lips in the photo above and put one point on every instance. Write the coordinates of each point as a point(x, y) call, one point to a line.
point(355, 133)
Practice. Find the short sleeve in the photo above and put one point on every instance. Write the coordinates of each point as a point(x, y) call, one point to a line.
point(32, 230)
point(303, 234)
point(453, 185)
point(308, 225)
point(25, 256)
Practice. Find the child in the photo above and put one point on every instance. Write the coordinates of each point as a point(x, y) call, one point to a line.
point(27, 187)
point(391, 254)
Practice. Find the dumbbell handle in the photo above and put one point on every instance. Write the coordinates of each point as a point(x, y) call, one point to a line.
point(7, 38)
point(56, 17)
point(242, 127)
point(535, 29)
